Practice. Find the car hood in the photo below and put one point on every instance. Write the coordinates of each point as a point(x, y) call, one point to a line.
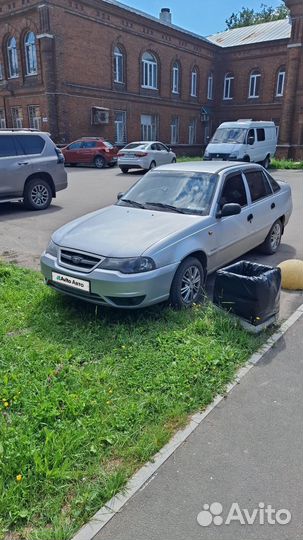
point(121, 231)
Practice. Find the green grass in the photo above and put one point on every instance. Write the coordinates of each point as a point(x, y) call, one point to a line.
point(275, 163)
point(88, 395)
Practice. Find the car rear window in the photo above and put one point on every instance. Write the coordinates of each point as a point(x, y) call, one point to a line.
point(29, 144)
point(7, 146)
point(132, 146)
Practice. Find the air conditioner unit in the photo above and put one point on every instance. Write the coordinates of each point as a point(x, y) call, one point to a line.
point(100, 116)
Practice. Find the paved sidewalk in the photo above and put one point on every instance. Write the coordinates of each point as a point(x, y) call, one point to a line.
point(248, 450)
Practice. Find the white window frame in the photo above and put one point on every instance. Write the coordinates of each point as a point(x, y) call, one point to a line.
point(192, 132)
point(30, 50)
point(254, 81)
point(210, 86)
point(118, 65)
point(12, 57)
point(34, 117)
point(194, 83)
point(2, 119)
point(176, 78)
point(174, 130)
point(17, 117)
point(148, 127)
point(120, 127)
point(1, 72)
point(149, 71)
point(228, 80)
point(281, 77)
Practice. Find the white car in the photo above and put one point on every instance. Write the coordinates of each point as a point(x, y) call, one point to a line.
point(145, 155)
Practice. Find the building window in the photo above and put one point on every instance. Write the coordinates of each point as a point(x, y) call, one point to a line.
point(149, 71)
point(34, 117)
point(210, 86)
point(280, 83)
point(194, 83)
point(12, 56)
point(176, 78)
point(174, 130)
point(30, 54)
point(148, 127)
point(254, 84)
point(228, 92)
point(192, 132)
point(120, 127)
point(1, 72)
point(2, 119)
point(118, 65)
point(17, 117)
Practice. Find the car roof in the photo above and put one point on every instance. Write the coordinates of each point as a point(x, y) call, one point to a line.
point(13, 131)
point(213, 167)
point(145, 142)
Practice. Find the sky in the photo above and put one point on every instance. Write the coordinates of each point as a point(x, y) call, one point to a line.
point(203, 17)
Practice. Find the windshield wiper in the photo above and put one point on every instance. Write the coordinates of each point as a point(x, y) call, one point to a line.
point(133, 203)
point(166, 206)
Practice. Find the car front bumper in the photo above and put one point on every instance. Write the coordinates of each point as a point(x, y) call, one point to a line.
point(111, 288)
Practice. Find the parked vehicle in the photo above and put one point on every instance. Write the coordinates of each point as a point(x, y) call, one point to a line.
point(91, 151)
point(244, 140)
point(144, 155)
point(31, 168)
point(162, 237)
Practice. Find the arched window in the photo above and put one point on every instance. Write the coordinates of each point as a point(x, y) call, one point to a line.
point(210, 86)
point(194, 83)
point(280, 82)
point(176, 78)
point(228, 91)
point(254, 84)
point(149, 71)
point(118, 65)
point(30, 50)
point(12, 57)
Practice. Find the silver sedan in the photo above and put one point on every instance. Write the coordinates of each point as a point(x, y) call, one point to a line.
point(145, 155)
point(159, 241)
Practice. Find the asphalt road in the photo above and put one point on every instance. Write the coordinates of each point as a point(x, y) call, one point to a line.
point(24, 234)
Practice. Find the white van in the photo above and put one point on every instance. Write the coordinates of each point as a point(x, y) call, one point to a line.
point(244, 140)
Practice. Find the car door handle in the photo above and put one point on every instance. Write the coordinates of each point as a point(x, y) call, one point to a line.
point(273, 206)
point(250, 217)
point(23, 163)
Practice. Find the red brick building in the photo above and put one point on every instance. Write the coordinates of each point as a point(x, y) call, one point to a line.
point(98, 67)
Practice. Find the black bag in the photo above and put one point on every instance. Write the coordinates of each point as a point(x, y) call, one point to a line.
point(249, 290)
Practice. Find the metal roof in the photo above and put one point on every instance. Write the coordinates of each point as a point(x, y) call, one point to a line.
point(257, 33)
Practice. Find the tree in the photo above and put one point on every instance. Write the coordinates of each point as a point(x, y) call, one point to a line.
point(248, 17)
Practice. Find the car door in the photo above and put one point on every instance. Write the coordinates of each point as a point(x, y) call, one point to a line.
point(73, 152)
point(153, 154)
point(164, 155)
point(87, 151)
point(265, 208)
point(252, 144)
point(233, 233)
point(15, 166)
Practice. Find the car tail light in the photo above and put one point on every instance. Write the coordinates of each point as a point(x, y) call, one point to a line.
point(59, 155)
point(120, 154)
point(141, 154)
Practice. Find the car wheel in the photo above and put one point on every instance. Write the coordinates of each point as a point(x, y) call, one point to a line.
point(152, 165)
point(187, 285)
point(273, 239)
point(99, 162)
point(174, 160)
point(124, 169)
point(37, 194)
point(266, 162)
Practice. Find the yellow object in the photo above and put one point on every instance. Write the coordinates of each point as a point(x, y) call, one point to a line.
point(292, 274)
point(19, 477)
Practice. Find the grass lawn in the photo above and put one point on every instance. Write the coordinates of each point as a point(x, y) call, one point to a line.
point(88, 395)
point(275, 163)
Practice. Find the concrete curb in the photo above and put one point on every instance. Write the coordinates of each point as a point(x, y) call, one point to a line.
point(140, 479)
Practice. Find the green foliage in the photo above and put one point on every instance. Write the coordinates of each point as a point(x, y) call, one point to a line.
point(87, 395)
point(248, 17)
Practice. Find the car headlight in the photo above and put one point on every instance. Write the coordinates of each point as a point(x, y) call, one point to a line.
point(132, 265)
point(52, 249)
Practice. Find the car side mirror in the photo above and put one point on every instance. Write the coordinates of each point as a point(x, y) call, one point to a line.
point(251, 139)
point(120, 195)
point(229, 209)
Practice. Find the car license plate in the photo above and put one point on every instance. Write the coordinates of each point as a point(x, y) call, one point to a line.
point(72, 282)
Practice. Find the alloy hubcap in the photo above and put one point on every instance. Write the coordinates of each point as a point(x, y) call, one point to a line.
point(191, 284)
point(275, 236)
point(39, 195)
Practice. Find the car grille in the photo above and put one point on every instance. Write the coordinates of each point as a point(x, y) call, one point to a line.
point(219, 156)
point(84, 262)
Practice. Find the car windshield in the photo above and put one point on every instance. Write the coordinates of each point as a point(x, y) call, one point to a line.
point(229, 135)
point(137, 145)
point(189, 192)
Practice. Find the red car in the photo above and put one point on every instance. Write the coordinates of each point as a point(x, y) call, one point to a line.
point(91, 151)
